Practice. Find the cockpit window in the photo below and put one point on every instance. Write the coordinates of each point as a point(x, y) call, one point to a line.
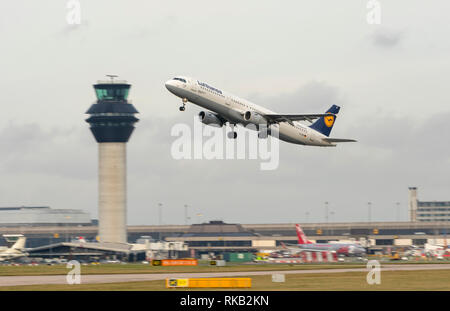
point(180, 79)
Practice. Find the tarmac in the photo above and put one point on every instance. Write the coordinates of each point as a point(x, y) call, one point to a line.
point(117, 278)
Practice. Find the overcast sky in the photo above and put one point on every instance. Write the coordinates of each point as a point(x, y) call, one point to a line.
point(392, 81)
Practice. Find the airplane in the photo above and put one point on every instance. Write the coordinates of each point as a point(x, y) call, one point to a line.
point(347, 249)
point(16, 250)
point(437, 249)
point(225, 107)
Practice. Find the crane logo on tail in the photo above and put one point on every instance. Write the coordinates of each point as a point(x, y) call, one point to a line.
point(329, 120)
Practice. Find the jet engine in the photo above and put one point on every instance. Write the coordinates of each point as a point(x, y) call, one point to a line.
point(254, 117)
point(210, 118)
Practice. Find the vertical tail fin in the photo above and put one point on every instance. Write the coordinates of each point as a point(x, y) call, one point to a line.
point(20, 244)
point(324, 125)
point(302, 239)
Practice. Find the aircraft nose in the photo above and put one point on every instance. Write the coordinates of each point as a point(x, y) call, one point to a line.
point(170, 85)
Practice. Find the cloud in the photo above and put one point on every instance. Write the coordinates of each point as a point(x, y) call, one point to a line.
point(29, 149)
point(386, 38)
point(403, 134)
point(310, 97)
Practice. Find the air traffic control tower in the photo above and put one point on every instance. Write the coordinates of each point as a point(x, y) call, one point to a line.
point(112, 122)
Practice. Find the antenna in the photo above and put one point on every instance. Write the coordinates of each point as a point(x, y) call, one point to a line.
point(112, 77)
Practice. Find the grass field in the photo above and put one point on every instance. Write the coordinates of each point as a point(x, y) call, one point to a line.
point(141, 268)
point(349, 281)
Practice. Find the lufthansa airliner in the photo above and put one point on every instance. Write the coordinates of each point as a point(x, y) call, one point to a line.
point(223, 107)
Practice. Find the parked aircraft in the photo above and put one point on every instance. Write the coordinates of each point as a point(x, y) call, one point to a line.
point(16, 250)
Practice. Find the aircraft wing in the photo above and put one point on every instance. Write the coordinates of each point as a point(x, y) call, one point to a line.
point(275, 118)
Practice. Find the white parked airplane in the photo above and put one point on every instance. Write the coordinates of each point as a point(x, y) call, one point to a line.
point(226, 107)
point(16, 250)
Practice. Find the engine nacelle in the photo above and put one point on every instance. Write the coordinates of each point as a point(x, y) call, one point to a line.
point(210, 118)
point(254, 117)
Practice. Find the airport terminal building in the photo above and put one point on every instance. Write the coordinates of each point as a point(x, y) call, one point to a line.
point(218, 237)
point(433, 211)
point(42, 216)
point(427, 211)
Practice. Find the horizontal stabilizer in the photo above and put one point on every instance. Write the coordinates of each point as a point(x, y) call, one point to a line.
point(339, 140)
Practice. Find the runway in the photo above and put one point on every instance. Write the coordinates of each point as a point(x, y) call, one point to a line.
point(117, 278)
